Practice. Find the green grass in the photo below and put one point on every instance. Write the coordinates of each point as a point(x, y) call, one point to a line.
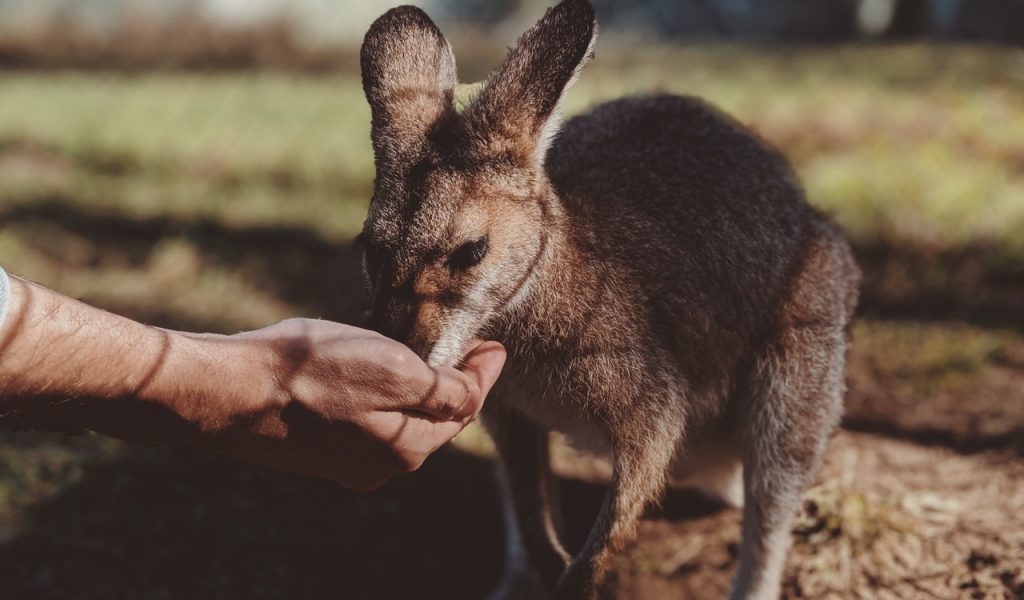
point(244, 149)
point(917, 144)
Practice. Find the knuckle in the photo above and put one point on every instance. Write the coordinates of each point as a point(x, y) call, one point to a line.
point(400, 359)
point(440, 406)
point(293, 323)
point(393, 356)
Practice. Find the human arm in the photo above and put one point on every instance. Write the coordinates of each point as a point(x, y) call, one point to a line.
point(311, 396)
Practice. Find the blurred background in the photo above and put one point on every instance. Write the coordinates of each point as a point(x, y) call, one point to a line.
point(205, 164)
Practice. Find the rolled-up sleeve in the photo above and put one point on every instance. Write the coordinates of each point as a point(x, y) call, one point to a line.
point(5, 295)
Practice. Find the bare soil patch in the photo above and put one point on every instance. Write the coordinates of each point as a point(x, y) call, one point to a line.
point(887, 519)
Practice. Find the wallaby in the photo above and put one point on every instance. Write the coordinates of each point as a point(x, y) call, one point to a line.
point(666, 295)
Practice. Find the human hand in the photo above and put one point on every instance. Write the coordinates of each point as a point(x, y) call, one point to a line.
point(346, 404)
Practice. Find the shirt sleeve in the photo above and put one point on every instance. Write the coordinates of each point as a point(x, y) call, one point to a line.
point(5, 295)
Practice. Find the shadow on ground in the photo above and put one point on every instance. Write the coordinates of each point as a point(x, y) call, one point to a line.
point(322, 277)
point(176, 523)
point(978, 284)
point(161, 523)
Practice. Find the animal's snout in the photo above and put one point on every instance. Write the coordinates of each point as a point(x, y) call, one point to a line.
point(400, 321)
point(393, 318)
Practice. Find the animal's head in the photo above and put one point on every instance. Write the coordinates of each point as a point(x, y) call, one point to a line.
point(457, 219)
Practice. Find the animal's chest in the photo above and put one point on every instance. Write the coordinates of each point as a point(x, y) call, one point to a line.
point(559, 397)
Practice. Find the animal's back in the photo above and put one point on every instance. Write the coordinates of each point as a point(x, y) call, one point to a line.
point(707, 219)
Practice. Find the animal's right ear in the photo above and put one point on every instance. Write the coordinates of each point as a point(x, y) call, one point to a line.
point(517, 112)
point(409, 78)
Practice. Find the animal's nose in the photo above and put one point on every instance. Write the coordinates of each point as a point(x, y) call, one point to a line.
point(398, 320)
point(392, 318)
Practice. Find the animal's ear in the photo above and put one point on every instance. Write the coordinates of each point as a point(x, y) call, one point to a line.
point(409, 78)
point(517, 111)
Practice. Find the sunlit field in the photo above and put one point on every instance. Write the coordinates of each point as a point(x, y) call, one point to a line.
point(222, 202)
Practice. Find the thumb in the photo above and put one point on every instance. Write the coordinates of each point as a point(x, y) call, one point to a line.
point(457, 395)
point(483, 365)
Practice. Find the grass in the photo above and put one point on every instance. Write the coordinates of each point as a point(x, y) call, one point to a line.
point(945, 382)
point(917, 143)
point(242, 148)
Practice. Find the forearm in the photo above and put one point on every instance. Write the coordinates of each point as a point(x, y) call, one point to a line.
point(310, 396)
point(66, 366)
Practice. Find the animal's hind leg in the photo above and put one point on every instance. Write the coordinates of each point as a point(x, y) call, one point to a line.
point(793, 406)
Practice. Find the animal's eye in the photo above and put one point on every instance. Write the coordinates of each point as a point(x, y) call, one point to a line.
point(468, 255)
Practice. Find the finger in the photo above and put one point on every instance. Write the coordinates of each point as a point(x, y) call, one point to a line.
point(483, 364)
point(441, 397)
point(458, 394)
point(420, 435)
point(412, 437)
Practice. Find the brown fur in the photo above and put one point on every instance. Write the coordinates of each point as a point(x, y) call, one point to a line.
point(662, 287)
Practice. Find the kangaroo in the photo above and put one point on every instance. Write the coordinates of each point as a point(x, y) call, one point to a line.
point(666, 295)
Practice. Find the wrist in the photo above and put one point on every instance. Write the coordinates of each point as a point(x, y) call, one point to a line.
point(212, 383)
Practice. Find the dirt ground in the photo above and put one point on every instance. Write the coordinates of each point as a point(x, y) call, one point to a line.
point(888, 519)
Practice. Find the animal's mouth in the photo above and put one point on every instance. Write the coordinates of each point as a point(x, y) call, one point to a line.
point(449, 353)
point(441, 344)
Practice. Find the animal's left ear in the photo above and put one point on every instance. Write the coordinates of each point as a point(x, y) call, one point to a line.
point(517, 112)
point(409, 78)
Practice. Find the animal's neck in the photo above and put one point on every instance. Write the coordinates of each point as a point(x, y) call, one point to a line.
point(560, 281)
